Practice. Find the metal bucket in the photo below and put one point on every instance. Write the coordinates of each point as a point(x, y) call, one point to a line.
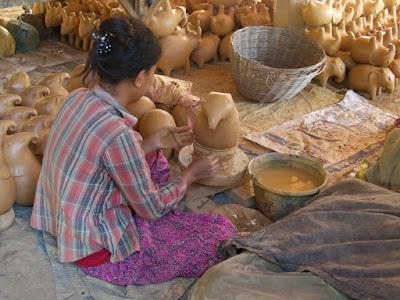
point(276, 204)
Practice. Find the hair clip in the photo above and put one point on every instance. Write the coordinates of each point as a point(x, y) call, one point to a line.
point(104, 45)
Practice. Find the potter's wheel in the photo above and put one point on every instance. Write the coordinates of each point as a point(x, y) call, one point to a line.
point(7, 219)
point(226, 177)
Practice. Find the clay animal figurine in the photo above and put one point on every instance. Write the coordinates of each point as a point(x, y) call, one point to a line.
point(207, 50)
point(345, 38)
point(222, 24)
point(19, 114)
point(345, 56)
point(38, 8)
point(225, 3)
point(162, 19)
point(367, 78)
point(391, 3)
point(140, 107)
point(23, 165)
point(54, 14)
point(334, 67)
point(373, 7)
point(7, 102)
point(153, 121)
point(7, 43)
point(76, 79)
point(33, 94)
point(204, 16)
point(49, 105)
point(357, 26)
point(327, 37)
point(87, 24)
point(41, 125)
point(318, 13)
point(225, 47)
point(103, 10)
point(70, 27)
point(217, 125)
point(256, 17)
point(8, 193)
point(93, 6)
point(348, 14)
point(358, 7)
point(55, 82)
point(18, 83)
point(76, 7)
point(176, 49)
point(395, 67)
point(337, 14)
point(370, 50)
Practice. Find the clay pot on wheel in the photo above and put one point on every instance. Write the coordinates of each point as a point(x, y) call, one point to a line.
point(23, 165)
point(18, 83)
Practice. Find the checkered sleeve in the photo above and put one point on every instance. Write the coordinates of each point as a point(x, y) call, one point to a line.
point(125, 161)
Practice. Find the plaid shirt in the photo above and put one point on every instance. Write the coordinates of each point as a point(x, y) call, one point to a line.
point(94, 174)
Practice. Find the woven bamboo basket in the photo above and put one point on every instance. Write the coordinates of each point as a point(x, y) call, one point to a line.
point(274, 63)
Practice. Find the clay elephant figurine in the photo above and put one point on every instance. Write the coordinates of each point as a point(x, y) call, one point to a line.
point(334, 67)
point(23, 164)
point(176, 49)
point(217, 125)
point(370, 50)
point(55, 82)
point(20, 114)
point(345, 56)
point(18, 83)
point(371, 79)
point(318, 13)
point(222, 23)
point(7, 102)
point(8, 188)
point(31, 95)
point(327, 37)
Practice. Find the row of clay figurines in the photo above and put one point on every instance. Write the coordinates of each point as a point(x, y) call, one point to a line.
point(319, 13)
point(24, 132)
point(77, 19)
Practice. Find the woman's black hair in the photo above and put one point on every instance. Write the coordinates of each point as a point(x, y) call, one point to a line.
point(122, 48)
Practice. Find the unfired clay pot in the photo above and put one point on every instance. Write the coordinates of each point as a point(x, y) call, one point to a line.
point(7, 43)
point(31, 95)
point(55, 82)
point(20, 114)
point(318, 13)
point(370, 50)
point(41, 125)
point(222, 24)
point(180, 116)
point(176, 49)
point(334, 67)
point(7, 102)
point(154, 120)
point(18, 83)
point(49, 105)
point(207, 50)
point(8, 191)
point(140, 107)
point(23, 165)
point(217, 125)
point(370, 79)
point(225, 47)
point(162, 19)
point(204, 16)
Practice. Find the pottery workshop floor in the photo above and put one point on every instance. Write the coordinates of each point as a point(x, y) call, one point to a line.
point(25, 270)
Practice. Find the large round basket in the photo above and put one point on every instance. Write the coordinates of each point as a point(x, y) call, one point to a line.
point(273, 63)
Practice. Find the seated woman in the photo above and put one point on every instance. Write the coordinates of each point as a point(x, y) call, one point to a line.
point(95, 192)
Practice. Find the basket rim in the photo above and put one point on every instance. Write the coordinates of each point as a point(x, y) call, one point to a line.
point(282, 70)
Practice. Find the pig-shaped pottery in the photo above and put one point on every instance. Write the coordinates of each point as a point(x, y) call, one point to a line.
point(370, 50)
point(23, 165)
point(217, 125)
point(370, 79)
point(334, 67)
point(18, 83)
point(208, 50)
point(55, 82)
point(318, 13)
point(7, 102)
point(225, 47)
point(33, 94)
point(176, 49)
point(222, 24)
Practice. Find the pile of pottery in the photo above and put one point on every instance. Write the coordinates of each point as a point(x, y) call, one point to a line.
point(77, 19)
point(360, 36)
point(204, 33)
point(26, 114)
point(7, 42)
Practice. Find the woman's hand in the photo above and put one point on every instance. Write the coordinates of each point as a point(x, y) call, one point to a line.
point(168, 138)
point(200, 168)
